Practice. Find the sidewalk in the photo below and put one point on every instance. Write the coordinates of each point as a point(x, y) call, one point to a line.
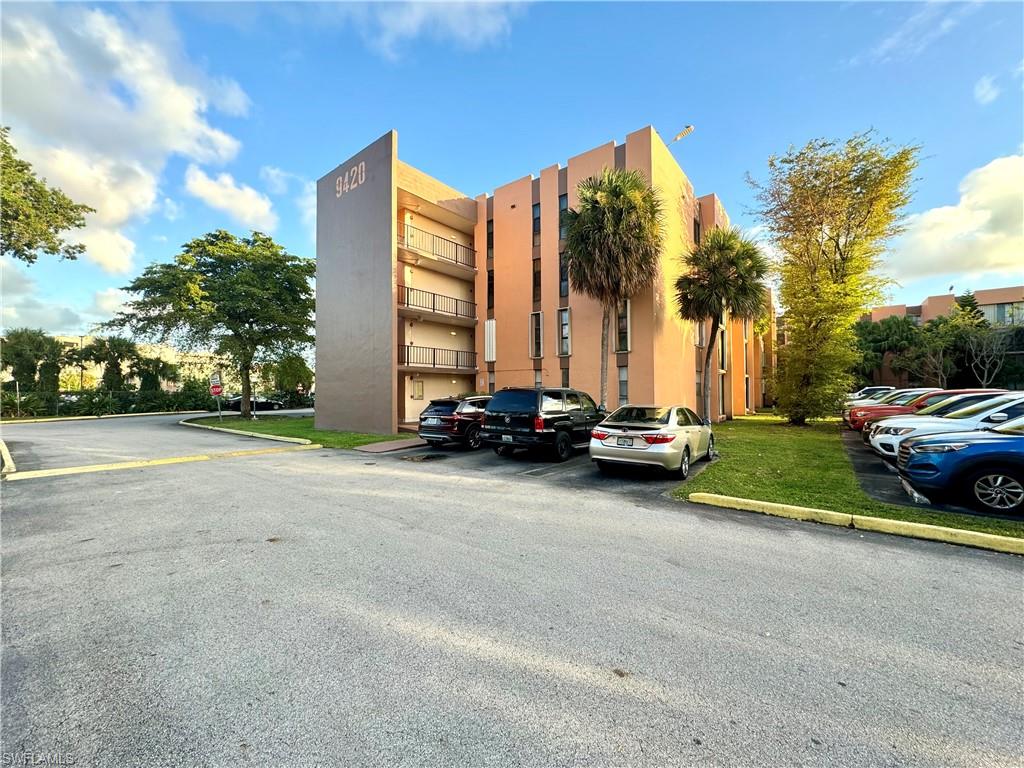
point(391, 445)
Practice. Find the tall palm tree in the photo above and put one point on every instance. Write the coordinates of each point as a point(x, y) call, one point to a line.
point(612, 244)
point(725, 273)
point(150, 371)
point(112, 353)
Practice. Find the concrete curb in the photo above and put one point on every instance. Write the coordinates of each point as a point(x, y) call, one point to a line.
point(89, 418)
point(1007, 544)
point(9, 468)
point(278, 438)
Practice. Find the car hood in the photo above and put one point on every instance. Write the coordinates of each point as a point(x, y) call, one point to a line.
point(932, 424)
point(974, 437)
point(884, 409)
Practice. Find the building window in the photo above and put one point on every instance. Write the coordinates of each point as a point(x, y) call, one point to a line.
point(746, 393)
point(538, 379)
point(490, 382)
point(417, 389)
point(536, 279)
point(696, 231)
point(536, 334)
point(746, 329)
point(565, 377)
point(563, 275)
point(721, 394)
point(490, 289)
point(701, 334)
point(490, 352)
point(564, 333)
point(563, 207)
point(622, 327)
point(623, 384)
point(536, 223)
point(700, 392)
point(490, 238)
point(723, 357)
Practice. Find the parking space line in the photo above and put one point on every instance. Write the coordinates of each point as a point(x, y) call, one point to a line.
point(60, 471)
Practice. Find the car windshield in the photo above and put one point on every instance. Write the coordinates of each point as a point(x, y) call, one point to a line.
point(905, 398)
point(513, 400)
point(974, 410)
point(1012, 427)
point(633, 414)
point(953, 403)
point(471, 406)
point(890, 397)
point(442, 406)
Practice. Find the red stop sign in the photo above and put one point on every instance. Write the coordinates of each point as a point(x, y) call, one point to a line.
point(216, 389)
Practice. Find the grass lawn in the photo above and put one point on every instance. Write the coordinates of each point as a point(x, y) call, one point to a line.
point(298, 426)
point(764, 458)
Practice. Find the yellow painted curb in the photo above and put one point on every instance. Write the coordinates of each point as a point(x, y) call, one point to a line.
point(7, 423)
point(61, 471)
point(279, 438)
point(9, 467)
point(1007, 544)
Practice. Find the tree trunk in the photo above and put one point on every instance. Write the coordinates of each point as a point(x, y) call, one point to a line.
point(709, 355)
point(246, 404)
point(605, 321)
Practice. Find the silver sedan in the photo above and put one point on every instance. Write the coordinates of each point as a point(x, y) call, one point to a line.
point(669, 437)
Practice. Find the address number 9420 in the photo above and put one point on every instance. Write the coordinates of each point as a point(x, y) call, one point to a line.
point(350, 179)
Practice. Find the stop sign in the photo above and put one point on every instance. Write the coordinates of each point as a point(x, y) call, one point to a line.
point(216, 389)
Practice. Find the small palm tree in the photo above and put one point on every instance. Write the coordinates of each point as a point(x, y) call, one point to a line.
point(724, 274)
point(150, 371)
point(612, 244)
point(112, 353)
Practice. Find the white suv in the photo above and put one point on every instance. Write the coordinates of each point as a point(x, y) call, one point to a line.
point(888, 434)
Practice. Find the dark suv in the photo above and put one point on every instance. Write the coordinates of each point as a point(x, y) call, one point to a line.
point(451, 420)
point(547, 418)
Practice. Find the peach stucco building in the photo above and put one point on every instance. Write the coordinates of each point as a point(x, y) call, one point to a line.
point(424, 292)
point(1000, 306)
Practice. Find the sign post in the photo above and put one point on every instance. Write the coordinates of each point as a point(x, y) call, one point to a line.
point(216, 390)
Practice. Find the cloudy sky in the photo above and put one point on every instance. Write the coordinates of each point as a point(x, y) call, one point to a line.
point(172, 120)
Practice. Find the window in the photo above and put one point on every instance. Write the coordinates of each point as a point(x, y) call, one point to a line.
point(622, 327)
point(746, 392)
point(538, 379)
point(536, 279)
point(564, 333)
point(694, 418)
point(565, 377)
point(723, 358)
point(551, 402)
point(536, 334)
point(746, 329)
point(417, 389)
point(490, 351)
point(700, 392)
point(563, 275)
point(490, 382)
point(696, 231)
point(536, 223)
point(682, 419)
point(563, 207)
point(721, 394)
point(623, 384)
point(490, 238)
point(588, 404)
point(701, 334)
point(490, 289)
point(572, 402)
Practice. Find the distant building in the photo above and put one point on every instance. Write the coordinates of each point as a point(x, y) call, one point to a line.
point(1001, 306)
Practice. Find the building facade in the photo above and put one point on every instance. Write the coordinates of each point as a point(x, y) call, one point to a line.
point(1000, 306)
point(424, 292)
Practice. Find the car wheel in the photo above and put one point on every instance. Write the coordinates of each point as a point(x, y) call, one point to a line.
point(473, 438)
point(563, 447)
point(684, 465)
point(711, 448)
point(997, 489)
point(277, 407)
point(503, 450)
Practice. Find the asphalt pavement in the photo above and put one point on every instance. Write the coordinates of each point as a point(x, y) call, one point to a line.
point(334, 608)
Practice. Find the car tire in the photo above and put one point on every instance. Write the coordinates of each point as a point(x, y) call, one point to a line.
point(472, 441)
point(711, 448)
point(503, 450)
point(277, 407)
point(684, 465)
point(563, 447)
point(997, 490)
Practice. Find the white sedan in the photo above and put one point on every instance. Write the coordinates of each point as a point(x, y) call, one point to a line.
point(669, 437)
point(888, 434)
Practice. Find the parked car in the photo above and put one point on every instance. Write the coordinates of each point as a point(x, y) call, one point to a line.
point(863, 413)
point(882, 397)
point(552, 419)
point(669, 437)
point(983, 469)
point(988, 413)
point(869, 392)
point(896, 397)
point(941, 408)
point(453, 420)
point(256, 404)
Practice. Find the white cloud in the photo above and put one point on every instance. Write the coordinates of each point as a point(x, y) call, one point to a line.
point(108, 302)
point(985, 90)
point(933, 21)
point(98, 102)
point(276, 179)
point(982, 234)
point(307, 208)
point(240, 201)
point(171, 209)
point(22, 308)
point(281, 182)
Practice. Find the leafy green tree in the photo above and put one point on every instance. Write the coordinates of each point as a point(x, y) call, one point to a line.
point(967, 305)
point(33, 215)
point(868, 343)
point(152, 371)
point(291, 371)
point(22, 352)
point(612, 245)
point(113, 353)
point(723, 275)
point(245, 297)
point(830, 208)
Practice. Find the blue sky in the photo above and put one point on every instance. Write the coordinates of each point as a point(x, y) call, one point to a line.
point(176, 119)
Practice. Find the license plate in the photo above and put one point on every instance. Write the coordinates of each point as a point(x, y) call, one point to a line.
point(626, 441)
point(431, 421)
point(506, 438)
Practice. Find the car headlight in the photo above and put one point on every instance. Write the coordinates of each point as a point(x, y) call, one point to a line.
point(900, 430)
point(939, 448)
point(858, 413)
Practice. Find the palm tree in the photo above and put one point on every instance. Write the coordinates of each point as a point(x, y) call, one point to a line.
point(150, 371)
point(724, 274)
point(112, 353)
point(612, 244)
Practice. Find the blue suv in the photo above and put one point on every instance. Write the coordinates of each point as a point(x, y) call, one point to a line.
point(984, 469)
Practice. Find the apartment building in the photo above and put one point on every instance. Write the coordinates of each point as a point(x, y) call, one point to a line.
point(1000, 306)
point(424, 292)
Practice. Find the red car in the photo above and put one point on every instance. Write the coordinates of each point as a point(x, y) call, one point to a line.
point(859, 417)
point(451, 420)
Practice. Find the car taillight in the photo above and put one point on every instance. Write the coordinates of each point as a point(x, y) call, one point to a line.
point(599, 434)
point(658, 438)
point(538, 424)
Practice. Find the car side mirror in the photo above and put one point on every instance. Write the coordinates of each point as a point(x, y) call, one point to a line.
point(706, 422)
point(998, 418)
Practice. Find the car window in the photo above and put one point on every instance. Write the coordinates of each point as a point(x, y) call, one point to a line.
point(906, 398)
point(551, 402)
point(1013, 427)
point(589, 406)
point(933, 399)
point(694, 418)
point(512, 400)
point(978, 409)
point(572, 402)
point(441, 406)
point(467, 406)
point(683, 418)
point(1011, 411)
point(953, 403)
point(637, 414)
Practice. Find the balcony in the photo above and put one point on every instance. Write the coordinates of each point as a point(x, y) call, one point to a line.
point(456, 360)
point(425, 305)
point(447, 255)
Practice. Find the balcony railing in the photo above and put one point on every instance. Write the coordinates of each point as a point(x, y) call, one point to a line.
point(440, 247)
point(435, 302)
point(433, 357)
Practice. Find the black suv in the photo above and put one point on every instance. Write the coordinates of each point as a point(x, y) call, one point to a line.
point(451, 420)
point(548, 418)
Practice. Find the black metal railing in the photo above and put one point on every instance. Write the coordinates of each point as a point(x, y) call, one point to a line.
point(435, 245)
point(435, 302)
point(434, 357)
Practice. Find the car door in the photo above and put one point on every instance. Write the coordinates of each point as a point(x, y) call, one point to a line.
point(1011, 411)
point(703, 433)
point(574, 407)
point(591, 416)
